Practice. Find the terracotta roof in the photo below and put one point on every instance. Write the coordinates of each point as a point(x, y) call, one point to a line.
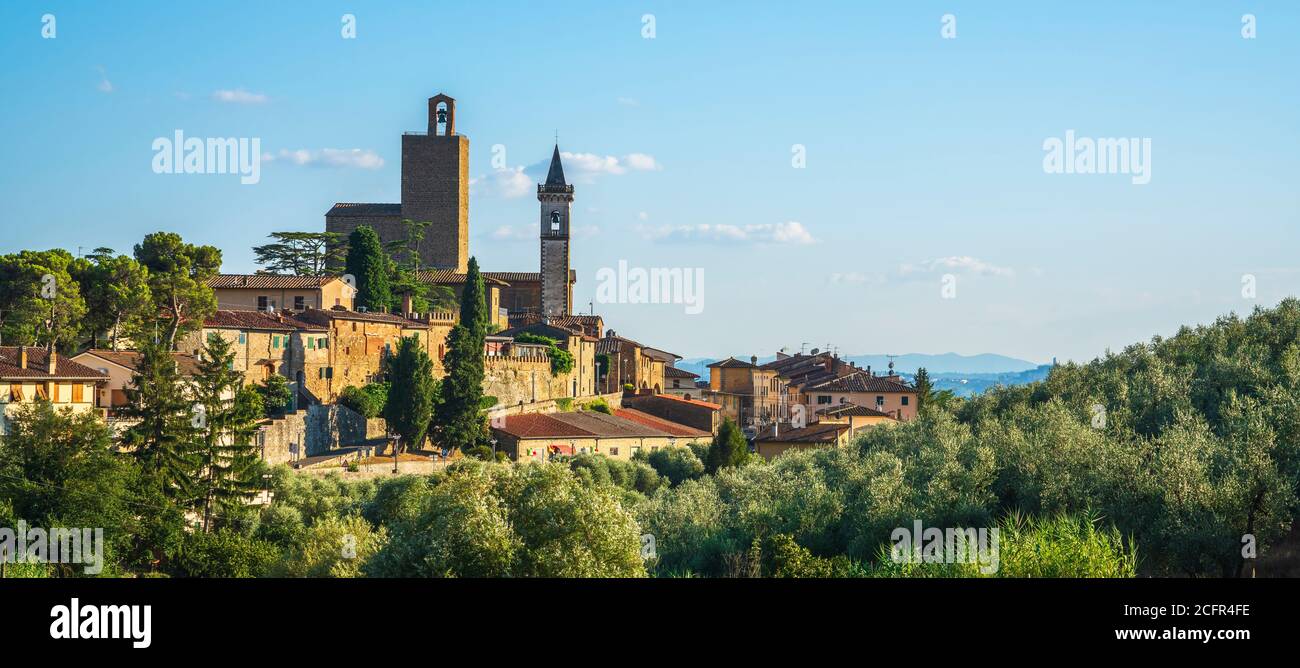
point(659, 423)
point(610, 344)
point(673, 397)
point(662, 355)
point(186, 363)
point(674, 372)
point(535, 425)
point(586, 424)
point(262, 320)
point(364, 209)
point(525, 276)
point(451, 277)
point(269, 281)
point(814, 433)
point(37, 365)
point(862, 382)
point(854, 410)
point(590, 325)
point(732, 363)
point(560, 334)
point(323, 317)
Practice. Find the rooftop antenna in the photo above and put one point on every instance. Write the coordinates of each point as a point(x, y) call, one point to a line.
point(802, 346)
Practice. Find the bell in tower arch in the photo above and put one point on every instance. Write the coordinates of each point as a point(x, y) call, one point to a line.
point(555, 220)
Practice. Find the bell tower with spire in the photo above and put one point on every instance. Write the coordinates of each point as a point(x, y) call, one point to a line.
point(556, 198)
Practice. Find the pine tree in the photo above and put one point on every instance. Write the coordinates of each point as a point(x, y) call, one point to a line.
point(369, 265)
point(164, 436)
point(409, 407)
point(226, 424)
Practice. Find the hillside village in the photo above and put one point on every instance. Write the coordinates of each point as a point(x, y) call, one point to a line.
point(614, 394)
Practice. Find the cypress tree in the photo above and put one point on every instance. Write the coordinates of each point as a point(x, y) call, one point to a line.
point(729, 447)
point(369, 265)
point(411, 392)
point(459, 414)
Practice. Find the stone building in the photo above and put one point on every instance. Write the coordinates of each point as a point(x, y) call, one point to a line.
point(556, 199)
point(28, 374)
point(435, 188)
point(629, 364)
point(581, 381)
point(120, 368)
point(265, 344)
point(750, 395)
point(360, 343)
point(539, 437)
point(887, 394)
point(274, 292)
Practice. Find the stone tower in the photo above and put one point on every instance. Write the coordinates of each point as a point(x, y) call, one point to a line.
point(435, 189)
point(435, 186)
point(556, 198)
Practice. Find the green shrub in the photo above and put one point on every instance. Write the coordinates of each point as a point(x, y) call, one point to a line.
point(369, 401)
point(676, 464)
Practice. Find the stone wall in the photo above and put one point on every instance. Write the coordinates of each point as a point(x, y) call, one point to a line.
point(515, 380)
point(320, 428)
point(551, 405)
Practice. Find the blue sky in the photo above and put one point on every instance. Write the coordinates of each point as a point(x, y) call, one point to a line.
point(923, 154)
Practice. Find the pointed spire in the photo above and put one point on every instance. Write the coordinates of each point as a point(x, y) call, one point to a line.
point(555, 177)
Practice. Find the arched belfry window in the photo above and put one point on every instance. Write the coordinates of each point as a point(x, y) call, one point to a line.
point(555, 220)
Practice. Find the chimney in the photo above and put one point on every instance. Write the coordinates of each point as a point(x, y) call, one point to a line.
point(407, 308)
point(868, 369)
point(22, 357)
point(52, 362)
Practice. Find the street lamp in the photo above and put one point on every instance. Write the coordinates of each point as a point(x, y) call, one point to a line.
point(494, 448)
point(396, 439)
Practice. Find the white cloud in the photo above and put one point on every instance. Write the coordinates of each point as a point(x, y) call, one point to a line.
point(238, 96)
point(790, 232)
point(628, 101)
point(642, 162)
point(643, 216)
point(328, 157)
point(508, 183)
point(956, 264)
point(586, 166)
point(105, 86)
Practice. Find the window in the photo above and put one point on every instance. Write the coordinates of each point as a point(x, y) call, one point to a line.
point(77, 390)
point(41, 393)
point(275, 341)
point(905, 398)
point(823, 398)
point(880, 401)
point(15, 392)
point(324, 342)
point(299, 303)
point(243, 337)
point(262, 302)
point(613, 450)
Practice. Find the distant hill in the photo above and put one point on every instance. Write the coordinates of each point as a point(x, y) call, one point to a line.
point(946, 363)
point(965, 385)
